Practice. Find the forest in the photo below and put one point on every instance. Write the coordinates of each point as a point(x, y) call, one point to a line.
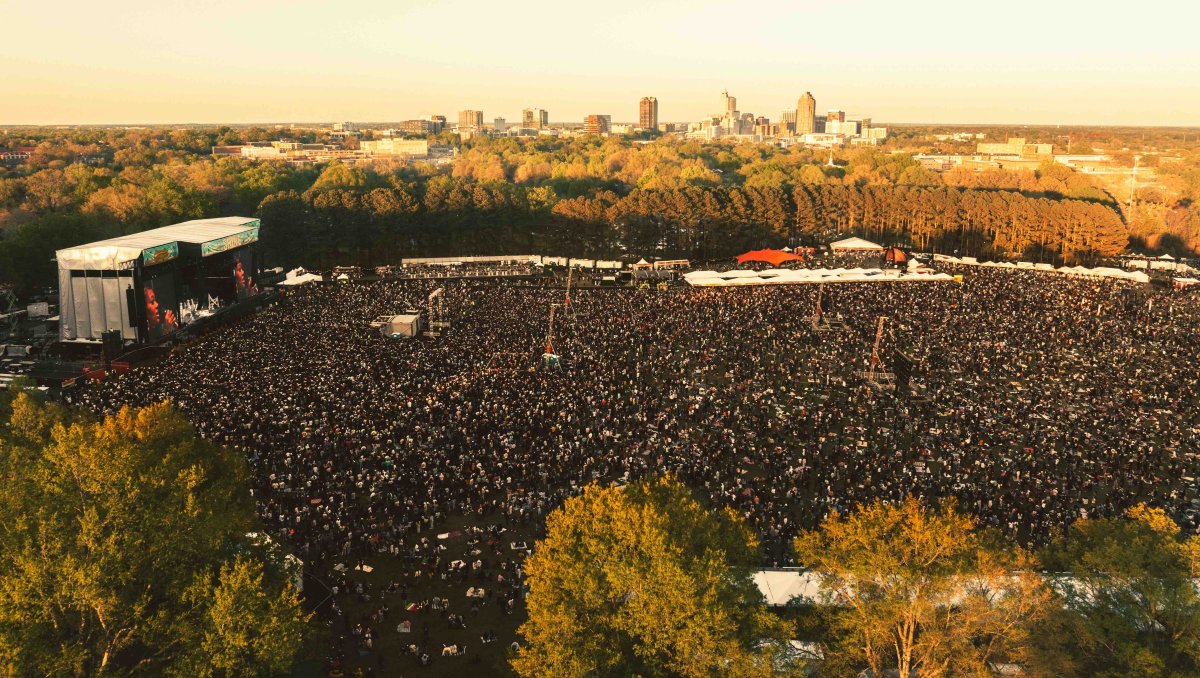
point(583, 196)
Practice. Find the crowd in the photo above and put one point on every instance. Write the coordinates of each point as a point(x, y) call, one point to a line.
point(1041, 399)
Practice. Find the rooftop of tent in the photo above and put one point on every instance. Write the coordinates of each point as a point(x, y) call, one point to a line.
point(129, 247)
point(854, 244)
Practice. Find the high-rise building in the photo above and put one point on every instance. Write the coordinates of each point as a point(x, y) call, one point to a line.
point(535, 118)
point(787, 122)
point(500, 125)
point(470, 121)
point(648, 113)
point(596, 124)
point(439, 123)
point(835, 116)
point(806, 114)
point(728, 103)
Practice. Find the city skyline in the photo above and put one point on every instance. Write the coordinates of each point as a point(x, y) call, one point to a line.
point(382, 62)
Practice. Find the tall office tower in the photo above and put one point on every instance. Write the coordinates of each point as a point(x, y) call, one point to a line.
point(648, 113)
point(535, 118)
point(439, 123)
point(500, 124)
point(596, 124)
point(470, 120)
point(728, 103)
point(806, 114)
point(787, 122)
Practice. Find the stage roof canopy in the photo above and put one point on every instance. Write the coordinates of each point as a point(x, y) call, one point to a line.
point(773, 257)
point(855, 244)
point(160, 244)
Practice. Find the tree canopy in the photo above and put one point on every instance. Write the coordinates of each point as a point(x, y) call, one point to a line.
point(1131, 601)
point(123, 547)
point(667, 198)
point(644, 580)
point(921, 591)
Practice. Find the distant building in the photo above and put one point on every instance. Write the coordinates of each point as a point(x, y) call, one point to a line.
point(729, 119)
point(823, 139)
point(787, 122)
point(597, 124)
point(841, 125)
point(439, 123)
point(417, 127)
point(667, 127)
point(728, 103)
point(1015, 146)
point(16, 155)
point(500, 124)
point(345, 127)
point(806, 114)
point(413, 148)
point(470, 121)
point(648, 113)
point(762, 127)
point(535, 118)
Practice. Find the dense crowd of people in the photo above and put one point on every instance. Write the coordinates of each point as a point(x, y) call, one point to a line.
point(1038, 399)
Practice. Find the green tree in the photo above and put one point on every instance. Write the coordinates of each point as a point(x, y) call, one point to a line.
point(104, 529)
point(1131, 604)
point(643, 580)
point(246, 626)
point(921, 591)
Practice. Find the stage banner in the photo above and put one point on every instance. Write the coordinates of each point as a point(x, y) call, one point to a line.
point(230, 242)
point(160, 254)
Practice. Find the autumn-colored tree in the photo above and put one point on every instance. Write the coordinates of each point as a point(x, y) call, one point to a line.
point(105, 530)
point(1131, 606)
point(241, 627)
point(921, 591)
point(644, 580)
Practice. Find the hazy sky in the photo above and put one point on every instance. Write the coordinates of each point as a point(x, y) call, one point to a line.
point(169, 61)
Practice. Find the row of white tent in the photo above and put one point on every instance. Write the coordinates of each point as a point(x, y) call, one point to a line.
point(781, 586)
point(1099, 272)
point(789, 276)
point(513, 259)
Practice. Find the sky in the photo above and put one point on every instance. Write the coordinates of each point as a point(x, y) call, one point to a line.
point(274, 61)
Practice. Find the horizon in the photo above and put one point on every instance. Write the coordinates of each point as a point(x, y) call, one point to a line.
point(172, 62)
point(317, 124)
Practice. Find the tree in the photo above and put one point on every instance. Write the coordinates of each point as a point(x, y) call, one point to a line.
point(105, 528)
point(1131, 604)
point(921, 591)
point(643, 580)
point(246, 627)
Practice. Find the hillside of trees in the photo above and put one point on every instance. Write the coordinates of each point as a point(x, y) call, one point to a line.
point(580, 197)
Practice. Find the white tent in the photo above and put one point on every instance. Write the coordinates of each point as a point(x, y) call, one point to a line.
point(855, 244)
point(781, 586)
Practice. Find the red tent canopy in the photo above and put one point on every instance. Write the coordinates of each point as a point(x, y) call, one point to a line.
point(773, 257)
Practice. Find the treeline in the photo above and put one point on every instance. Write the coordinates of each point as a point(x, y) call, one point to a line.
point(580, 197)
point(447, 216)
